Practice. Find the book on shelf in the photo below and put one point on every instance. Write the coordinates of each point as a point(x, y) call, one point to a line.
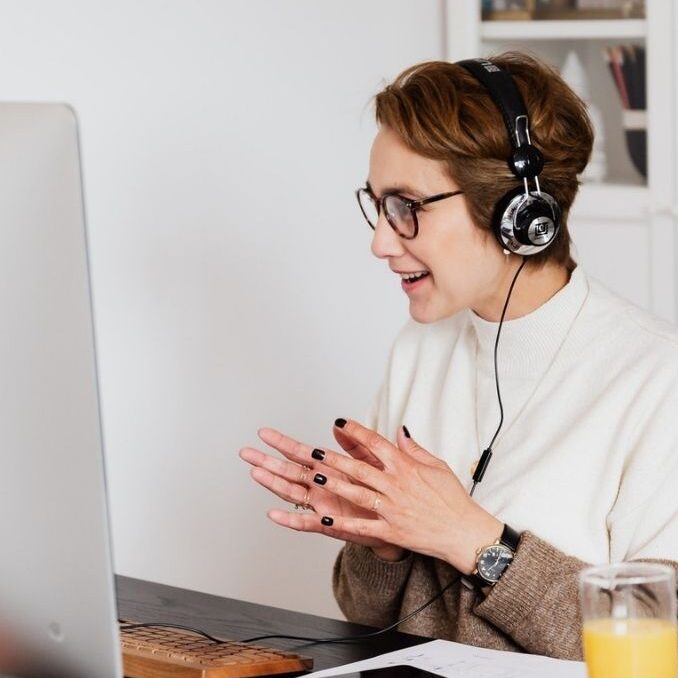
point(626, 64)
point(507, 10)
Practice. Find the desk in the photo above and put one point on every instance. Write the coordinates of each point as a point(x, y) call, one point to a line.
point(235, 619)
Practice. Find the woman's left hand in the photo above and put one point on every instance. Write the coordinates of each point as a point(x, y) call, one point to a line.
point(418, 500)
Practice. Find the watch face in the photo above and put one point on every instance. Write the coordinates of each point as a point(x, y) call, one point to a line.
point(493, 561)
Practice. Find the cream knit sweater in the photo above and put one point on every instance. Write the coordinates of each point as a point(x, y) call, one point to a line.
point(586, 465)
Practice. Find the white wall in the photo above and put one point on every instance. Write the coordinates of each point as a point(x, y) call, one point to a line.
point(232, 280)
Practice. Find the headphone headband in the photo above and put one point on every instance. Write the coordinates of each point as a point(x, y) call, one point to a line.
point(505, 95)
point(525, 222)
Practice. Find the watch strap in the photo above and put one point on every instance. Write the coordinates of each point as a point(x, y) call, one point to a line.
point(510, 538)
point(474, 582)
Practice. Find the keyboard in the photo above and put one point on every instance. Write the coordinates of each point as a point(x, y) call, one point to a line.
point(149, 652)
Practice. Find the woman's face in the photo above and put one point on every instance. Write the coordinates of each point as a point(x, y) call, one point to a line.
point(463, 266)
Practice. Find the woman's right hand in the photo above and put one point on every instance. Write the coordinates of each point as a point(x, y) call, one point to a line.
point(292, 480)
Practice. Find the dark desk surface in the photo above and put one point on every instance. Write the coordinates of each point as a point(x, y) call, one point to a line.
point(234, 619)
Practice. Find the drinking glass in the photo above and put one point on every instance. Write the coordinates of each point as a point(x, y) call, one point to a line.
point(629, 615)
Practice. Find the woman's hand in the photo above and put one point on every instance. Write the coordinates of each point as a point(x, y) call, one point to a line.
point(292, 481)
point(414, 501)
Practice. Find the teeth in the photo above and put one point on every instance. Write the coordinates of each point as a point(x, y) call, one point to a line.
point(413, 276)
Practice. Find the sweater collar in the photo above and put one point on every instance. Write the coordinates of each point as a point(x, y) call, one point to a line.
point(528, 344)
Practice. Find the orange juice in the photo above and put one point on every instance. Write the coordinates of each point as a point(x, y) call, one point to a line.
point(631, 648)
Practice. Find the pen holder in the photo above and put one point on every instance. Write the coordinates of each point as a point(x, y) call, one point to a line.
point(635, 130)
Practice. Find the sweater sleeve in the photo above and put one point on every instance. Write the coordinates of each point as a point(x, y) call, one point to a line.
point(536, 602)
point(368, 589)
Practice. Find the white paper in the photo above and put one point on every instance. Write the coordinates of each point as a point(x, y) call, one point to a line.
point(454, 660)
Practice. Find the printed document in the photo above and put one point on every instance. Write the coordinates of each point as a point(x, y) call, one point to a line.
point(454, 660)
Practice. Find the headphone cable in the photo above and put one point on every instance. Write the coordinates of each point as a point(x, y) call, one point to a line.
point(128, 626)
point(362, 636)
point(484, 461)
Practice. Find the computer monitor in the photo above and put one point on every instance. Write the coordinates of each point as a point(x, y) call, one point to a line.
point(57, 602)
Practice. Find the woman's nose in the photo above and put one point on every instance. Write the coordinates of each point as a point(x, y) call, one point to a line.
point(385, 241)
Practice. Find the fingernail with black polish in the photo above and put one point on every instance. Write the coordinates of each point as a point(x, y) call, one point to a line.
point(318, 454)
point(340, 423)
point(327, 521)
point(319, 478)
point(406, 432)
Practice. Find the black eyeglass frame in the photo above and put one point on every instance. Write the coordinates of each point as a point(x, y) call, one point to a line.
point(412, 205)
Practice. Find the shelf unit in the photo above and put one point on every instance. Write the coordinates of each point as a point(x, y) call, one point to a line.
point(627, 216)
point(566, 29)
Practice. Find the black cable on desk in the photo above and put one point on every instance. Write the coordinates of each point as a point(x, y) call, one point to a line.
point(362, 636)
point(127, 626)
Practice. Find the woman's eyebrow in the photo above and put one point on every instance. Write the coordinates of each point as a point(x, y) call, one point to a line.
point(404, 189)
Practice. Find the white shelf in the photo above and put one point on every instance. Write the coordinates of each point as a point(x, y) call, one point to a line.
point(611, 202)
point(564, 30)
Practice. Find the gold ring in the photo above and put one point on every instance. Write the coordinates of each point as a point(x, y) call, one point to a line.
point(304, 506)
point(376, 502)
point(303, 474)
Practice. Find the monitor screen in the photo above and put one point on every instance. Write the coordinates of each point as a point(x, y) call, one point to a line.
point(57, 604)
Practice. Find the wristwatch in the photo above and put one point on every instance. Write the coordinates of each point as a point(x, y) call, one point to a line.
point(492, 560)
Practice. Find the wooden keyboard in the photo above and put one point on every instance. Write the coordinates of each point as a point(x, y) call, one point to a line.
point(169, 653)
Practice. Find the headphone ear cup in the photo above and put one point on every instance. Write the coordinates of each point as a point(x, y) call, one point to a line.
point(526, 224)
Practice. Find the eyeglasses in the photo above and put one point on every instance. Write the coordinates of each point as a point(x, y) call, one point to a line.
point(400, 212)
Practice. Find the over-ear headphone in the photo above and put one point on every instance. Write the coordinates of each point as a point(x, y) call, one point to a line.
point(525, 221)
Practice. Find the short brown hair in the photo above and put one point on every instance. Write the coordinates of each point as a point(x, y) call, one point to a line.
point(441, 111)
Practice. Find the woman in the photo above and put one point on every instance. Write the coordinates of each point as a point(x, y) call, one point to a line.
point(585, 448)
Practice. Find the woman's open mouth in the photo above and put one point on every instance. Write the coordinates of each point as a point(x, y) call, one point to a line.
point(411, 280)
